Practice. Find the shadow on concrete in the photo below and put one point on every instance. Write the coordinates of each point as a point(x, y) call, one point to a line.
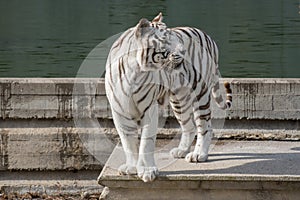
point(295, 148)
point(253, 163)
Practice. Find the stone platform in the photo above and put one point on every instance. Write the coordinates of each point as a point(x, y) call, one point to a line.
point(235, 170)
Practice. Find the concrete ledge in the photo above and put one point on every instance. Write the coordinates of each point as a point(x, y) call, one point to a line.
point(52, 148)
point(45, 98)
point(42, 185)
point(58, 98)
point(266, 99)
point(235, 170)
point(61, 145)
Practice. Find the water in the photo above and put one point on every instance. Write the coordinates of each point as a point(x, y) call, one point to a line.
point(51, 38)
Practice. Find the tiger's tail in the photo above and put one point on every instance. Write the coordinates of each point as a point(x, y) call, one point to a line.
point(218, 96)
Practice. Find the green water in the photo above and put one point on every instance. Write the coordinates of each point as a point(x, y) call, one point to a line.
point(51, 38)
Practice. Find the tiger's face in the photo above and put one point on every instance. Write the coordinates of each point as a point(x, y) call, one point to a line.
point(154, 41)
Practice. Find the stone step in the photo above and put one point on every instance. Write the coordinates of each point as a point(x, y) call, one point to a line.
point(45, 184)
point(235, 170)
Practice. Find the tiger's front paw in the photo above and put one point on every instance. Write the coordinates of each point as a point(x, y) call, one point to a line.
point(178, 153)
point(147, 174)
point(196, 157)
point(127, 170)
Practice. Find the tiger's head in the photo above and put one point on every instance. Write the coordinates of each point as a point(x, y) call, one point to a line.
point(156, 45)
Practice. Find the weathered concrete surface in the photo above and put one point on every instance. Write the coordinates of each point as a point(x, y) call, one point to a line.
point(68, 98)
point(266, 98)
point(235, 170)
point(53, 148)
point(51, 183)
point(53, 125)
point(50, 98)
point(63, 145)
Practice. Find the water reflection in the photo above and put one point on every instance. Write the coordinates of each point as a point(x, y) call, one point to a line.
point(51, 38)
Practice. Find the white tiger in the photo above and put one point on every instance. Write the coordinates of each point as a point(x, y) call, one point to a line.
point(151, 64)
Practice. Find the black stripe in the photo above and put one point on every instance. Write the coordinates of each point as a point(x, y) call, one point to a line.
point(144, 80)
point(229, 98)
point(184, 98)
point(184, 67)
point(193, 31)
point(119, 42)
point(174, 102)
point(147, 51)
point(189, 75)
point(146, 57)
point(205, 106)
point(120, 67)
point(195, 82)
point(181, 78)
point(200, 38)
point(201, 44)
point(143, 54)
point(205, 117)
point(205, 132)
point(192, 52)
point(187, 33)
point(146, 109)
point(115, 98)
point(204, 90)
point(179, 36)
point(184, 122)
point(146, 94)
point(189, 36)
point(181, 109)
point(208, 44)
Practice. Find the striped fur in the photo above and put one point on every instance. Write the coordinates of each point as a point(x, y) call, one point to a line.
point(151, 64)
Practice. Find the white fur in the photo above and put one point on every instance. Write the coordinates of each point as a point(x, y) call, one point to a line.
point(133, 90)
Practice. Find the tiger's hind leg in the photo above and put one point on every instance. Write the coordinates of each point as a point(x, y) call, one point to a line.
point(127, 131)
point(204, 136)
point(202, 117)
point(183, 111)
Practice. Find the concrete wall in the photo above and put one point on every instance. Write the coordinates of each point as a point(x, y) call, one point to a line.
point(266, 99)
point(57, 99)
point(43, 121)
point(49, 98)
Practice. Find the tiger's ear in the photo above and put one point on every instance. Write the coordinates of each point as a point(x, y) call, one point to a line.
point(158, 18)
point(142, 27)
